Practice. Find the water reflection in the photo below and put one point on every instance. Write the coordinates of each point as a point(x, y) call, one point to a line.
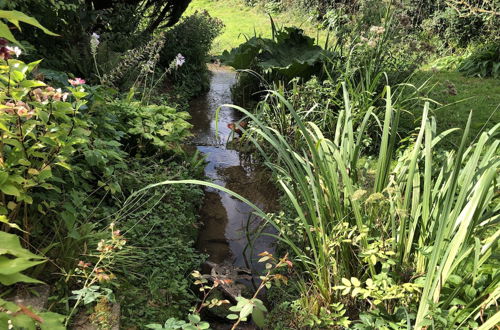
point(229, 223)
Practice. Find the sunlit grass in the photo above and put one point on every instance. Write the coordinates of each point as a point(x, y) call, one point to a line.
point(241, 20)
point(458, 95)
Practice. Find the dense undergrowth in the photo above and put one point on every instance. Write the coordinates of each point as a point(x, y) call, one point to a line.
point(389, 183)
point(73, 152)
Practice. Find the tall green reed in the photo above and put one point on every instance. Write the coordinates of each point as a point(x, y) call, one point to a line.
point(440, 212)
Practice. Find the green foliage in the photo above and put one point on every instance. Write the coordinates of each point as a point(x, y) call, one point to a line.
point(14, 17)
point(41, 128)
point(193, 38)
point(162, 230)
point(424, 215)
point(16, 316)
point(194, 323)
point(288, 55)
point(122, 25)
point(484, 61)
point(458, 29)
point(14, 259)
point(151, 126)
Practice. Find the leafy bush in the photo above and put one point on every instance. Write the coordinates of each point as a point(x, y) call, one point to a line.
point(192, 38)
point(151, 127)
point(288, 55)
point(42, 128)
point(68, 161)
point(484, 61)
point(457, 29)
point(121, 24)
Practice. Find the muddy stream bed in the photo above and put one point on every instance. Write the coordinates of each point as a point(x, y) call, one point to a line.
point(228, 224)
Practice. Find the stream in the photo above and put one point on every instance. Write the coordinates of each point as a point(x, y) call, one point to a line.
point(228, 224)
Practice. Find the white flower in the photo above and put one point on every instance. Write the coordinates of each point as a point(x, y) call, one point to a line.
point(377, 29)
point(15, 50)
point(95, 37)
point(179, 60)
point(94, 43)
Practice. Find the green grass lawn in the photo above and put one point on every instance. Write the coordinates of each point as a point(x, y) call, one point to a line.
point(458, 96)
point(241, 20)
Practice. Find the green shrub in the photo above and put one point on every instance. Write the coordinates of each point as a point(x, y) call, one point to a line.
point(41, 129)
point(122, 25)
point(192, 37)
point(288, 55)
point(484, 61)
point(14, 259)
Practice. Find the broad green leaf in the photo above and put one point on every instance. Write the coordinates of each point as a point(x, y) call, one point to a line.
point(3, 219)
point(258, 317)
point(6, 34)
point(15, 278)
point(246, 310)
point(31, 83)
point(11, 266)
point(11, 245)
point(23, 321)
point(3, 177)
point(52, 321)
point(15, 17)
point(9, 189)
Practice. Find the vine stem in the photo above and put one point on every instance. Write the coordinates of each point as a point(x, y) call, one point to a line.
point(261, 286)
point(85, 285)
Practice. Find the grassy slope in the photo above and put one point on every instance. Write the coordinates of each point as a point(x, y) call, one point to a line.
point(482, 96)
point(241, 20)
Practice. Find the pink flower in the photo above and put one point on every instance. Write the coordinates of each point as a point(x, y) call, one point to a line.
point(76, 81)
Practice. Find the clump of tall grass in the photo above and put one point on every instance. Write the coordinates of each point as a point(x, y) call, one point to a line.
point(410, 231)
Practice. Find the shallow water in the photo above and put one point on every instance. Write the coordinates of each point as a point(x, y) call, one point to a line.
point(228, 223)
